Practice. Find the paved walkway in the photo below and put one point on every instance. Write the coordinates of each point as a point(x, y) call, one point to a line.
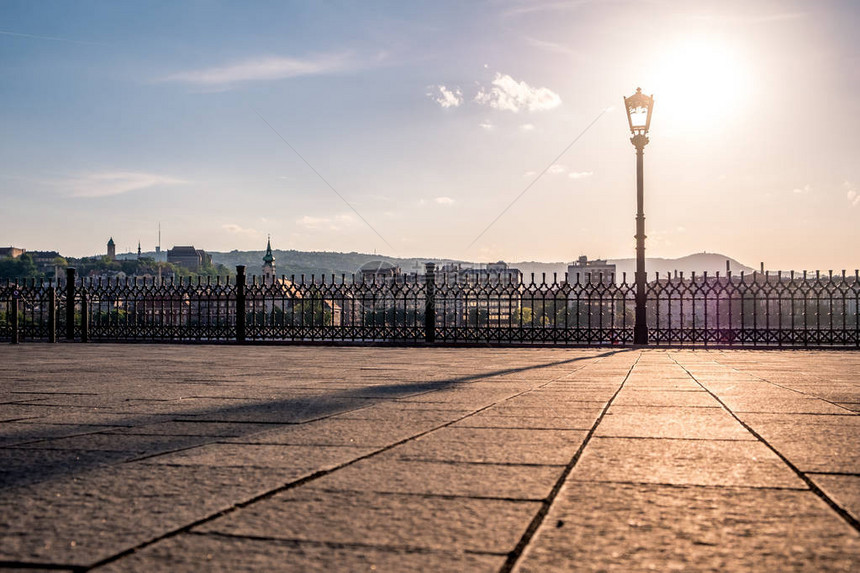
point(192, 458)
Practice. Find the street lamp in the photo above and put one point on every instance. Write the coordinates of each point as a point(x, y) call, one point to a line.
point(639, 107)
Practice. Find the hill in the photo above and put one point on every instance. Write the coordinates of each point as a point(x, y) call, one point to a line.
point(317, 263)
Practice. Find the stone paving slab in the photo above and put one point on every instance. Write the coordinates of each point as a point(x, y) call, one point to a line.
point(477, 450)
point(192, 428)
point(391, 475)
point(87, 518)
point(843, 489)
point(250, 458)
point(662, 399)
point(14, 433)
point(820, 446)
point(342, 432)
point(116, 443)
point(311, 458)
point(384, 520)
point(684, 462)
point(624, 527)
point(193, 553)
point(19, 466)
point(583, 420)
point(671, 422)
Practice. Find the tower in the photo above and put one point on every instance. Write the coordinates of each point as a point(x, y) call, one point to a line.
point(111, 249)
point(138, 249)
point(269, 263)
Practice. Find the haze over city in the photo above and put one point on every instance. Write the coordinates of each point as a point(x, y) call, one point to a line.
point(407, 128)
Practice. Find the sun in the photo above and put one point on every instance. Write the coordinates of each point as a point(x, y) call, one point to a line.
point(698, 82)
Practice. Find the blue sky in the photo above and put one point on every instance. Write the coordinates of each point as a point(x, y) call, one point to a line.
point(429, 119)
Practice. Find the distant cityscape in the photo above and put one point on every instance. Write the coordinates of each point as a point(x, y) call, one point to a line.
point(17, 262)
point(189, 260)
point(184, 291)
point(51, 265)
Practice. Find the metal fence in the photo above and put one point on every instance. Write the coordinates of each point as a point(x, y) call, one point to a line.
point(789, 310)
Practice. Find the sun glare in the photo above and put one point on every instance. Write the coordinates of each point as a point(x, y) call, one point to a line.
point(698, 83)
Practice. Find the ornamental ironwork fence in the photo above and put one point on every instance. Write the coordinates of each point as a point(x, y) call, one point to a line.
point(760, 309)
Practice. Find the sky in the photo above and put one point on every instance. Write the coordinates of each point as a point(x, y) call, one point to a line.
point(473, 130)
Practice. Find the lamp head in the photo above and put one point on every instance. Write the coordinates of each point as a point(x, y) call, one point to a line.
point(639, 107)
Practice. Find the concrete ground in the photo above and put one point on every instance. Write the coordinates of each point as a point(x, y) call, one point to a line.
point(226, 458)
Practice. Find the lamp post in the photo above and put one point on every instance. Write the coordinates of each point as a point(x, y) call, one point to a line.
point(639, 107)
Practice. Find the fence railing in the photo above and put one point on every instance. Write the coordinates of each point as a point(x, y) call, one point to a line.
point(792, 310)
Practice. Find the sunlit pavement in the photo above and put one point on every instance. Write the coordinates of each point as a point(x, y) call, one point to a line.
point(190, 458)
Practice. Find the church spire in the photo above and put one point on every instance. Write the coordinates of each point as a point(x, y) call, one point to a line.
point(269, 262)
point(269, 257)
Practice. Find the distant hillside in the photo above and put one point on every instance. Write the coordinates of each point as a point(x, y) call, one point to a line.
point(323, 262)
point(315, 262)
point(698, 263)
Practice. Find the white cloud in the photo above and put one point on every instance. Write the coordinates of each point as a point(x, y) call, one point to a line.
point(580, 174)
point(556, 169)
point(446, 201)
point(486, 125)
point(263, 68)
point(552, 47)
point(527, 126)
point(802, 190)
point(330, 223)
point(447, 97)
point(851, 194)
point(239, 230)
point(312, 222)
point(109, 183)
point(508, 94)
point(529, 173)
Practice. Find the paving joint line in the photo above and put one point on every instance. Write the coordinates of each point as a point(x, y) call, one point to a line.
point(470, 463)
point(538, 519)
point(318, 474)
point(451, 496)
point(11, 564)
point(146, 456)
point(525, 428)
point(671, 438)
point(844, 514)
point(295, 542)
point(778, 385)
point(54, 393)
point(694, 485)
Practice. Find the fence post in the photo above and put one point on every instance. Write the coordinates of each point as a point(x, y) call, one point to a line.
point(430, 300)
point(52, 313)
point(13, 315)
point(70, 303)
point(85, 319)
point(240, 304)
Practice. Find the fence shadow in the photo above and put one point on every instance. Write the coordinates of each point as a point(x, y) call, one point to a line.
point(22, 464)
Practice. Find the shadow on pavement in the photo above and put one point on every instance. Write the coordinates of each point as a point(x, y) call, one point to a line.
point(26, 456)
